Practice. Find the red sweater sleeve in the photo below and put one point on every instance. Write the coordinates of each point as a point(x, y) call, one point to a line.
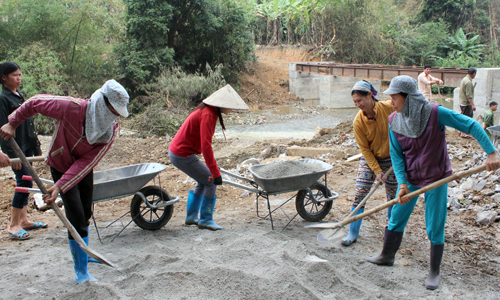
point(207, 130)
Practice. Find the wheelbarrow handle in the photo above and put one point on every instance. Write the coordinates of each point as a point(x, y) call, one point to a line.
point(46, 181)
point(54, 207)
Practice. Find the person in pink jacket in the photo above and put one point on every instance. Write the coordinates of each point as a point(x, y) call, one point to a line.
point(84, 132)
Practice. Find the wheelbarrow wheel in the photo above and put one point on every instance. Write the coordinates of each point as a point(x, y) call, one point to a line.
point(308, 209)
point(147, 217)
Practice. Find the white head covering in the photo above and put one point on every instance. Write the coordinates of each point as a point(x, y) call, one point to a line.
point(99, 119)
point(226, 97)
point(413, 118)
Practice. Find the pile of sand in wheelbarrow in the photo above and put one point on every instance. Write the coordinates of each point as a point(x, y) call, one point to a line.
point(287, 168)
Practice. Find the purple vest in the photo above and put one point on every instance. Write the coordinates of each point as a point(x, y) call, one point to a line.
point(426, 157)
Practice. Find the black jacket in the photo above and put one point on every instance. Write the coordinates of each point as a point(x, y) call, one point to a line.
point(25, 134)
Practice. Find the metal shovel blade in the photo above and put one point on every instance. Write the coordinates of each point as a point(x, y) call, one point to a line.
point(56, 209)
point(330, 234)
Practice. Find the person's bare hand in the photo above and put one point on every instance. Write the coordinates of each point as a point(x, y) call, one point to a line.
point(4, 160)
point(380, 177)
point(403, 190)
point(17, 166)
point(441, 82)
point(493, 161)
point(7, 131)
point(473, 107)
point(54, 192)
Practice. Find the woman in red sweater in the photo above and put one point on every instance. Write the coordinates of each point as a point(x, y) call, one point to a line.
point(195, 137)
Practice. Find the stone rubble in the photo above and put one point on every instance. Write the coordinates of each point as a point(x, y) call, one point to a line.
point(480, 192)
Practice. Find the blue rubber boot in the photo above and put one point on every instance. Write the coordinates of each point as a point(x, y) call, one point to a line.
point(352, 237)
point(80, 259)
point(193, 208)
point(206, 214)
point(86, 240)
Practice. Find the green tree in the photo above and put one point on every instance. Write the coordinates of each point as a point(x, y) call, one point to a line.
point(80, 33)
point(457, 13)
point(162, 33)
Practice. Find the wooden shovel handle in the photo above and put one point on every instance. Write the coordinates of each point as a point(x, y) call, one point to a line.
point(30, 159)
point(373, 189)
point(412, 194)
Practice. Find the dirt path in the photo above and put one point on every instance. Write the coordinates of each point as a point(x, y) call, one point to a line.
point(248, 260)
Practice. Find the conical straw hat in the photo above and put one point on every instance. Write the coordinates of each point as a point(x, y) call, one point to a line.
point(226, 97)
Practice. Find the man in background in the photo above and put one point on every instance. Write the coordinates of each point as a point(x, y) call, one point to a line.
point(489, 118)
point(466, 96)
point(425, 80)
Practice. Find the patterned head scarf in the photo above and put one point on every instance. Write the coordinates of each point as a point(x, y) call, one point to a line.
point(99, 119)
point(412, 120)
point(365, 86)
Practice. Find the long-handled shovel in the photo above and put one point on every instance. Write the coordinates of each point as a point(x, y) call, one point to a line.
point(329, 234)
point(58, 212)
point(392, 202)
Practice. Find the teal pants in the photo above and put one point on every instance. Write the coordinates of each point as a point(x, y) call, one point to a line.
point(435, 213)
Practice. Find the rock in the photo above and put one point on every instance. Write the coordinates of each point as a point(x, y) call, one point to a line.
point(250, 162)
point(478, 186)
point(275, 159)
point(486, 217)
point(452, 184)
point(322, 131)
point(496, 198)
point(494, 178)
point(477, 198)
point(467, 185)
point(306, 151)
point(488, 192)
point(453, 203)
point(497, 219)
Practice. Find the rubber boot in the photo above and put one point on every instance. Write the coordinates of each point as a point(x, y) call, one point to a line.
point(352, 237)
point(80, 259)
point(86, 240)
point(206, 214)
point(193, 208)
point(392, 241)
point(432, 281)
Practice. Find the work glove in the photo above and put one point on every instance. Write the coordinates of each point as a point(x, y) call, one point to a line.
point(218, 180)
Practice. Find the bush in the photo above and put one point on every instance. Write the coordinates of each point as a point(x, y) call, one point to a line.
point(157, 121)
point(44, 125)
point(42, 71)
point(174, 90)
point(178, 89)
point(459, 61)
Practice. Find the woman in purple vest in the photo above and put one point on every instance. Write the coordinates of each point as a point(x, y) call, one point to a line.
point(420, 157)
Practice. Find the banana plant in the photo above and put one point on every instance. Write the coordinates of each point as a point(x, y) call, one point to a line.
point(459, 44)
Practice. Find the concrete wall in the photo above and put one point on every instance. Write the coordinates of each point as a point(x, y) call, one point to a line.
point(303, 84)
point(487, 89)
point(332, 91)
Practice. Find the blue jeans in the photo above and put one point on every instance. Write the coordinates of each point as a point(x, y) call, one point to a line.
point(197, 170)
point(20, 200)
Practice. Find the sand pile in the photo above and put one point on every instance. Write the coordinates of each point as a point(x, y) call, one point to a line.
point(286, 168)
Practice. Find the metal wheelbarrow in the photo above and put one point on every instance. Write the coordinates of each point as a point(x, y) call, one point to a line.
point(151, 207)
point(313, 200)
point(495, 134)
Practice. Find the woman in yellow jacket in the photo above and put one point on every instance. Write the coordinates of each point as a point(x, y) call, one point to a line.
point(371, 130)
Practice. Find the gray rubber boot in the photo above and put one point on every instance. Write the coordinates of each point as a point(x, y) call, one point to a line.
point(392, 241)
point(432, 281)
